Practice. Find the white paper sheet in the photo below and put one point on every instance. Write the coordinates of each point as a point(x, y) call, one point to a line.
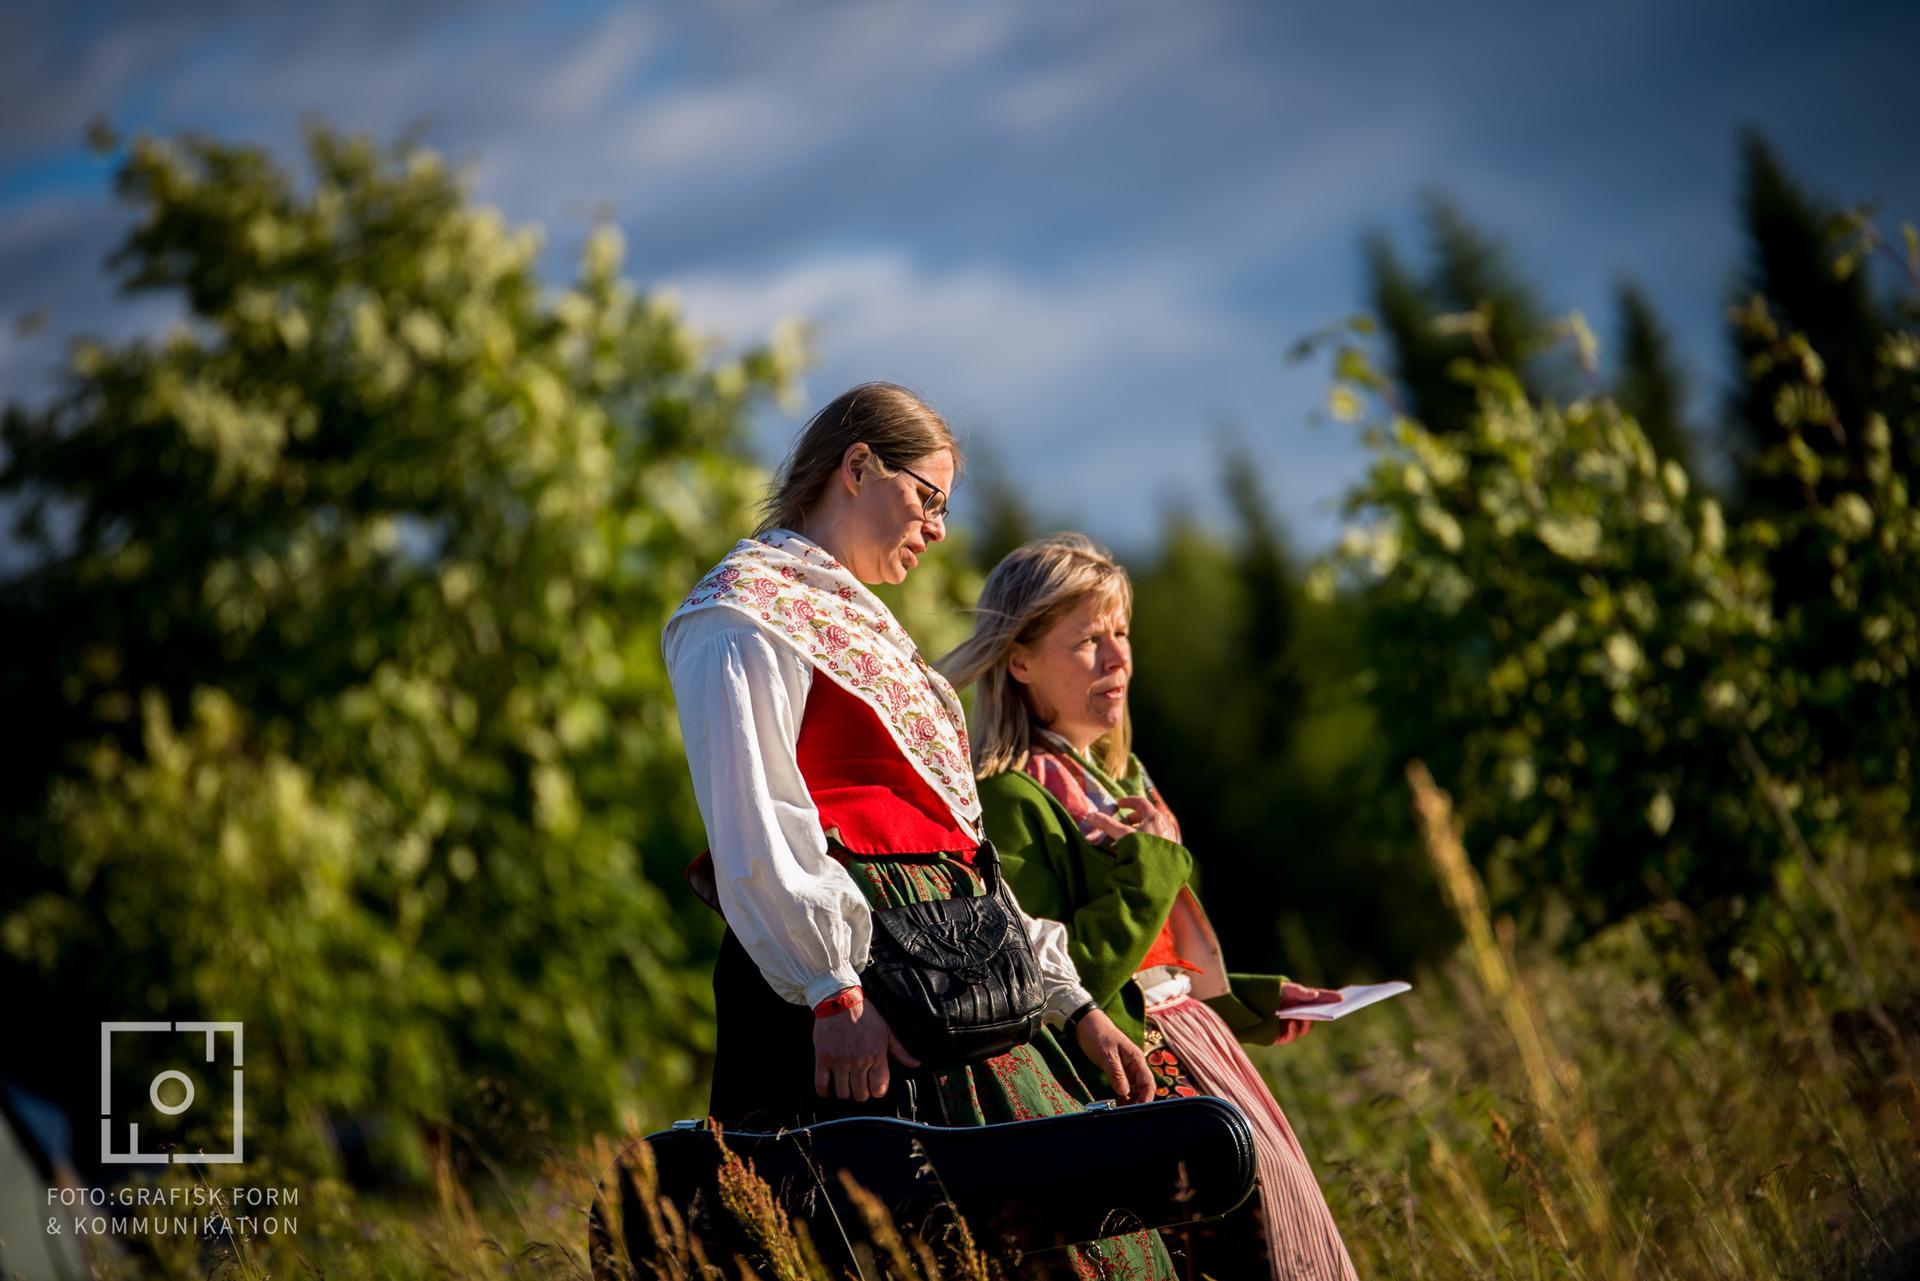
point(1357, 997)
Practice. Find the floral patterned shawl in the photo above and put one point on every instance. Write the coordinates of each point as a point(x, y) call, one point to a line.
point(804, 599)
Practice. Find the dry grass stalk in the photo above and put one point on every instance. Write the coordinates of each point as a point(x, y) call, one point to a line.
point(788, 1250)
point(1552, 1082)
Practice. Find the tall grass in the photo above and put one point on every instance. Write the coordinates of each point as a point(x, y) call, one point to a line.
point(1637, 1110)
point(1644, 1108)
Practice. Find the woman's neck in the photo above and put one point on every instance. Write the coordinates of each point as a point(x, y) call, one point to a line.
point(1072, 740)
point(826, 532)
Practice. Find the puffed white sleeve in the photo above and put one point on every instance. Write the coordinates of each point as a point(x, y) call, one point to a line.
point(1059, 980)
point(794, 908)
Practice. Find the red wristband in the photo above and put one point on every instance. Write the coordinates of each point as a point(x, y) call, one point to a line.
point(839, 1003)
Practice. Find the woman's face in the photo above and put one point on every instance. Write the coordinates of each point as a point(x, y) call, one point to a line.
point(1076, 672)
point(890, 530)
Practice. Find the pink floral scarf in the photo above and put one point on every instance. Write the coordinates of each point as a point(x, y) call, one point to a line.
point(1083, 787)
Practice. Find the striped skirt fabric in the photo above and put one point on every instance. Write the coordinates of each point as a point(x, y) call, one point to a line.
point(1302, 1241)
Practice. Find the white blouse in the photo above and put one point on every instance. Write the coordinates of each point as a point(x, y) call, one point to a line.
point(794, 908)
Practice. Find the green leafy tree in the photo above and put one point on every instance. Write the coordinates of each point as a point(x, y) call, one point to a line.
point(1561, 623)
point(1548, 604)
point(341, 649)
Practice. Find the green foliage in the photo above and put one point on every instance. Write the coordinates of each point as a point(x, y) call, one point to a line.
point(342, 651)
point(1561, 623)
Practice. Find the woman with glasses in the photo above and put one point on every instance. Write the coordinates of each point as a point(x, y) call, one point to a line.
point(1087, 841)
point(831, 766)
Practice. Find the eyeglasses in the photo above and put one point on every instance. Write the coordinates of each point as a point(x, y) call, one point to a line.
point(934, 505)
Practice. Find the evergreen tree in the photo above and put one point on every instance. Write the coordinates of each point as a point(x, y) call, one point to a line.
point(1472, 305)
point(1418, 355)
point(1003, 518)
point(1472, 271)
point(1823, 379)
point(1267, 623)
point(1790, 264)
point(1648, 385)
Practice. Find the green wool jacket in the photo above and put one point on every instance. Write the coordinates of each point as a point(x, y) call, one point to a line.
point(1113, 900)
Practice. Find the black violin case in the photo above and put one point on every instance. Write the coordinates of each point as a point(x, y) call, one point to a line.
point(1023, 1187)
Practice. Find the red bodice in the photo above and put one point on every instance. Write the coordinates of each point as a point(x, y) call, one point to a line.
point(862, 783)
point(1164, 951)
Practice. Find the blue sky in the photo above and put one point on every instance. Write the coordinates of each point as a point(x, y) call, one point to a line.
point(1086, 232)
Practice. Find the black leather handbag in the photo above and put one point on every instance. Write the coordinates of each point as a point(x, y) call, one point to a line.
point(956, 978)
point(1026, 1189)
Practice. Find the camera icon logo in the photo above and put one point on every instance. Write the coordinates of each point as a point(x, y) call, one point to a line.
point(171, 1092)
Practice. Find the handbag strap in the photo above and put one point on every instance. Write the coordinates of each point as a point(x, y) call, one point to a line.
point(986, 861)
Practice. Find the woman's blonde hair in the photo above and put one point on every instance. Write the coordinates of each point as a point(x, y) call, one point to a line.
point(1036, 585)
point(898, 426)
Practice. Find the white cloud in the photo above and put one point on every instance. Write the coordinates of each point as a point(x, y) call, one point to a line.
point(587, 78)
point(1138, 56)
point(1005, 333)
point(1070, 223)
point(1103, 391)
point(867, 48)
point(737, 126)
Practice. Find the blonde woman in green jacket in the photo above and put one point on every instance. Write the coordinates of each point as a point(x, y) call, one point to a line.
point(1085, 839)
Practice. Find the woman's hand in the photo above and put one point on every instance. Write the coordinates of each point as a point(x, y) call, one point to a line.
point(1143, 816)
point(1106, 827)
point(1149, 817)
point(850, 1053)
point(1124, 1061)
point(1299, 994)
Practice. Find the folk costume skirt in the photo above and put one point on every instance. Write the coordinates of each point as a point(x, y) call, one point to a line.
point(1302, 1242)
point(763, 1063)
